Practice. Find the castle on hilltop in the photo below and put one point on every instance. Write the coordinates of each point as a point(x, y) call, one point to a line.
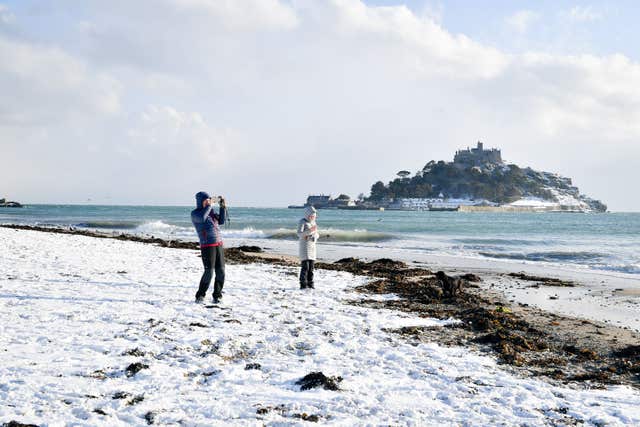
point(477, 156)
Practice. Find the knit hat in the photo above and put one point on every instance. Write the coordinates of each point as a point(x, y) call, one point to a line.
point(310, 210)
point(201, 197)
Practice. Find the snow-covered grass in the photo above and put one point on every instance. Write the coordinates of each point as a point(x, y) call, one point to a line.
point(71, 306)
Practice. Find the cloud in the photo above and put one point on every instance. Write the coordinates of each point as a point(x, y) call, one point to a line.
point(429, 46)
point(247, 15)
point(522, 20)
point(274, 100)
point(164, 135)
point(583, 14)
point(43, 84)
point(587, 94)
point(6, 16)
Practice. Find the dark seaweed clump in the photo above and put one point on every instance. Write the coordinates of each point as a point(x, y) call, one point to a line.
point(318, 379)
point(134, 368)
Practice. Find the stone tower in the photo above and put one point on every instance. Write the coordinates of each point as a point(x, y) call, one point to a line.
point(477, 156)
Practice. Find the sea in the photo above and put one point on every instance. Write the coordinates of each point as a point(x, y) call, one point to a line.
point(605, 241)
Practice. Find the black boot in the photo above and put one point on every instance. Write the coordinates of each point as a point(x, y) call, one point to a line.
point(304, 268)
point(217, 291)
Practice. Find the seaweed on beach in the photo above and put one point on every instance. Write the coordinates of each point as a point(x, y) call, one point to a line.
point(18, 424)
point(627, 361)
point(382, 268)
point(135, 400)
point(629, 352)
point(581, 352)
point(547, 281)
point(490, 323)
point(252, 366)
point(511, 346)
point(134, 368)
point(101, 235)
point(250, 248)
point(150, 417)
point(134, 352)
point(235, 255)
point(312, 418)
point(420, 286)
point(536, 342)
point(318, 379)
point(198, 325)
point(120, 395)
point(263, 410)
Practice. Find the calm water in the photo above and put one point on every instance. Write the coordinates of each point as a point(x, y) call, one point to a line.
point(597, 241)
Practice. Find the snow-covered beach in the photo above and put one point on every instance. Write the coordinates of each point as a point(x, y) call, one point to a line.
point(78, 311)
point(603, 296)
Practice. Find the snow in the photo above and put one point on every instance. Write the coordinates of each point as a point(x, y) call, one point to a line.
point(71, 306)
point(533, 202)
point(564, 201)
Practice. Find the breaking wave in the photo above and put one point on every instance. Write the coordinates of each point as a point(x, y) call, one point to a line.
point(112, 225)
point(551, 256)
point(159, 228)
point(245, 233)
point(628, 268)
point(496, 241)
point(332, 235)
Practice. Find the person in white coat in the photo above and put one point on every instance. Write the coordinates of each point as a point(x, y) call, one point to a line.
point(307, 237)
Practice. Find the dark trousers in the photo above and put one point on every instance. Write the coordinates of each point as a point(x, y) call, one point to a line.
point(213, 260)
point(306, 274)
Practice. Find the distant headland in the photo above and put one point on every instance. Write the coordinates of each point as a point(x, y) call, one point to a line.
point(477, 180)
point(4, 203)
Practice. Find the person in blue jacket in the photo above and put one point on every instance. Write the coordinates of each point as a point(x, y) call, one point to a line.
point(207, 223)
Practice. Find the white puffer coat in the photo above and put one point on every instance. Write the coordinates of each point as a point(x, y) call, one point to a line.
point(307, 237)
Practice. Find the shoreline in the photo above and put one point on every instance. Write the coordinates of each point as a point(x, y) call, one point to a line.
point(609, 297)
point(106, 332)
point(528, 339)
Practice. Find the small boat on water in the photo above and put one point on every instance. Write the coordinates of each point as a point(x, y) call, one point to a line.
point(444, 208)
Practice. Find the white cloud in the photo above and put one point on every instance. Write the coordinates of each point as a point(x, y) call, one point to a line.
point(177, 91)
point(427, 44)
point(242, 14)
point(44, 84)
point(167, 136)
point(583, 14)
point(6, 16)
point(522, 20)
point(585, 94)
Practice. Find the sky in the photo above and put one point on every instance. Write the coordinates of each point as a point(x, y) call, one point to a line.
point(267, 101)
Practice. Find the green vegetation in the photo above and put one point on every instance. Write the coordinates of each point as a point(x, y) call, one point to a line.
point(494, 182)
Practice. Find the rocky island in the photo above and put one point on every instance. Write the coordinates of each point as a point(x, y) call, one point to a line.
point(4, 203)
point(478, 179)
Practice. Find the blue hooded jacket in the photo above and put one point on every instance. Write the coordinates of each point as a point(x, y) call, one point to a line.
point(207, 222)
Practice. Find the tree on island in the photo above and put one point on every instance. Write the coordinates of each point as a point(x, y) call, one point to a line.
point(497, 183)
point(379, 192)
point(478, 174)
